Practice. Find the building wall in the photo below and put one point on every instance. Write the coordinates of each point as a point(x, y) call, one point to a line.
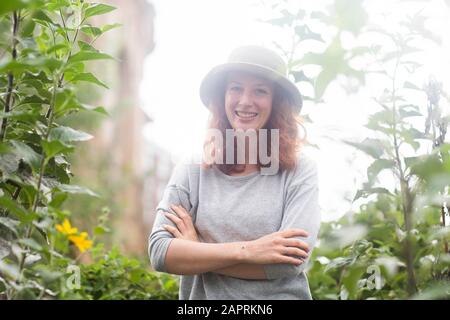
point(137, 170)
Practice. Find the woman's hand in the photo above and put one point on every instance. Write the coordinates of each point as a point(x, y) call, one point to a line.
point(277, 247)
point(184, 226)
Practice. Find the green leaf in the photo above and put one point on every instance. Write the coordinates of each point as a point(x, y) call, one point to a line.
point(108, 27)
point(76, 190)
point(12, 5)
point(28, 114)
point(84, 46)
point(22, 214)
point(48, 274)
point(66, 102)
point(28, 28)
point(31, 243)
point(4, 148)
point(89, 55)
point(76, 67)
point(382, 117)
point(26, 153)
point(100, 230)
point(373, 147)
point(300, 76)
point(31, 65)
point(364, 193)
point(351, 278)
point(100, 110)
point(9, 163)
point(322, 81)
point(438, 291)
point(427, 166)
point(346, 235)
point(305, 33)
point(91, 31)
point(58, 47)
point(97, 9)
point(440, 233)
point(349, 15)
point(5, 250)
point(67, 134)
point(338, 263)
point(58, 4)
point(9, 270)
point(411, 161)
point(42, 16)
point(410, 85)
point(57, 199)
point(377, 166)
point(409, 136)
point(287, 19)
point(52, 148)
point(10, 224)
point(409, 110)
point(13, 66)
point(88, 77)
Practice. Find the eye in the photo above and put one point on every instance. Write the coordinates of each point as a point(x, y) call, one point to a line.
point(261, 91)
point(235, 88)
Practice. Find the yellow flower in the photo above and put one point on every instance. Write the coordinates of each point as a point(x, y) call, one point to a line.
point(66, 228)
point(81, 241)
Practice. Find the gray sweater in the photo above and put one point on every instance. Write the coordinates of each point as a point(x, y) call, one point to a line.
point(240, 208)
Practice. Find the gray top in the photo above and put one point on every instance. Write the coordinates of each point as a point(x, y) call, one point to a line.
point(240, 208)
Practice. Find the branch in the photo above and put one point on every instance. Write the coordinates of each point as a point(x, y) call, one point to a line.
point(41, 173)
point(407, 198)
point(7, 103)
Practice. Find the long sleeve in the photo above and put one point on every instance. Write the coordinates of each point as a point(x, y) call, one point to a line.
point(301, 210)
point(176, 192)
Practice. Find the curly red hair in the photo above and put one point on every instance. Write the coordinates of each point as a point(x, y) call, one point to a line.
point(282, 117)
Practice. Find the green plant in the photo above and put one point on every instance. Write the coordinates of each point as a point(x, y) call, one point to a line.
point(405, 233)
point(400, 232)
point(42, 61)
point(112, 275)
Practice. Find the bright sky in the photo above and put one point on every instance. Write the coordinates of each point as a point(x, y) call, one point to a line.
point(193, 36)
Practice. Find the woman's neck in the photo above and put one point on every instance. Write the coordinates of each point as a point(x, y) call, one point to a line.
point(249, 168)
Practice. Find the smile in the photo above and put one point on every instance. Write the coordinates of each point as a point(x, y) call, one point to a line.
point(246, 115)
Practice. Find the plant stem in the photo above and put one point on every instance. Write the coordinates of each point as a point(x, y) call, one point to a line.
point(64, 24)
point(8, 100)
point(407, 198)
point(70, 52)
point(41, 172)
point(443, 224)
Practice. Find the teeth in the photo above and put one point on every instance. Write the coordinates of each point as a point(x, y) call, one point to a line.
point(244, 114)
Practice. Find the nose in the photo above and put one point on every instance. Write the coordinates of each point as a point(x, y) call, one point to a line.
point(246, 98)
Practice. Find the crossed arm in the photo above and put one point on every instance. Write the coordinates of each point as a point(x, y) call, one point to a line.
point(244, 260)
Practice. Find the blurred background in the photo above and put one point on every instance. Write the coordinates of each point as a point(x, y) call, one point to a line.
point(164, 48)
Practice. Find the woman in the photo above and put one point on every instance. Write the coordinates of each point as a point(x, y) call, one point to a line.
point(229, 230)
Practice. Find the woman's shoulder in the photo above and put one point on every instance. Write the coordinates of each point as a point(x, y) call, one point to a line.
point(188, 165)
point(305, 170)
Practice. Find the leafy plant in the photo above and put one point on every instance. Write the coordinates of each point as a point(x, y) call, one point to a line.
point(400, 232)
point(44, 50)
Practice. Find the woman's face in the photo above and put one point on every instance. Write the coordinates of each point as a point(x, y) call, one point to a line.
point(248, 100)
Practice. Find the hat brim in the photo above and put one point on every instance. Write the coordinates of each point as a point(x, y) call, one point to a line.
point(211, 81)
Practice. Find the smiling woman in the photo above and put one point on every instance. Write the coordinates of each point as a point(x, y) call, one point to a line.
point(223, 224)
point(248, 102)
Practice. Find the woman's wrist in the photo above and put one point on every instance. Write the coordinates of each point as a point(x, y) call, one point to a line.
point(242, 252)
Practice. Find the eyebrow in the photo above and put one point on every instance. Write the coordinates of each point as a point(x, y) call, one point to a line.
point(257, 84)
